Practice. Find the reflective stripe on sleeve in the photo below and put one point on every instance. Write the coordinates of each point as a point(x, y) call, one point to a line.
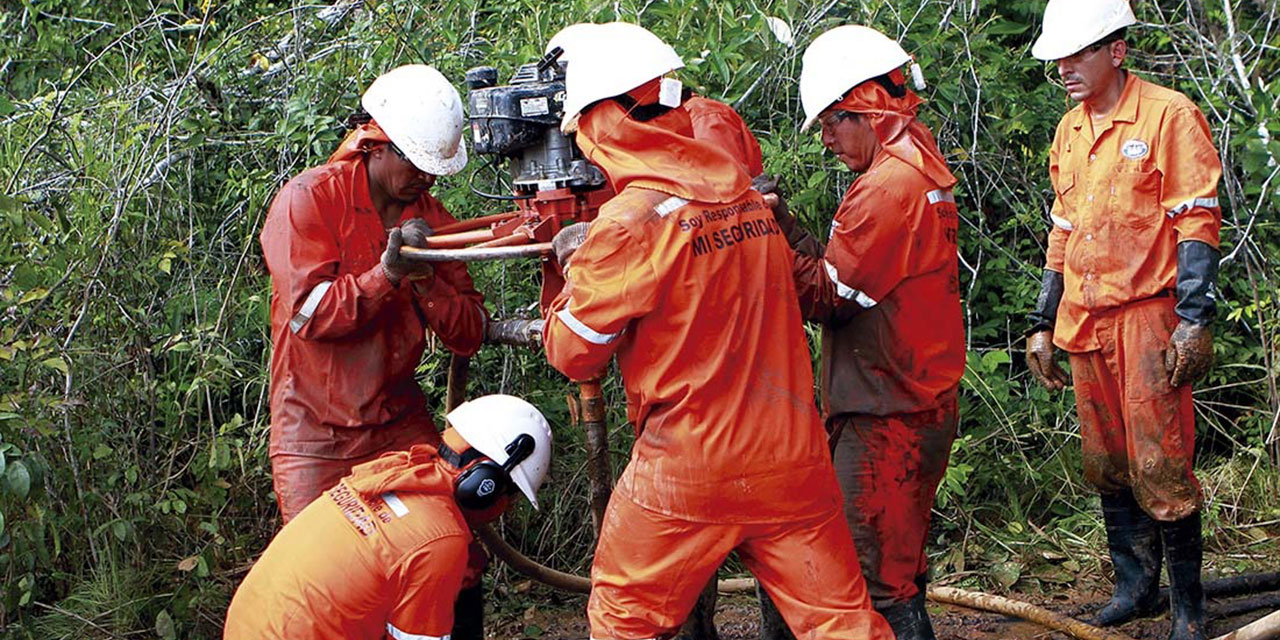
point(586, 333)
point(847, 292)
point(1061, 223)
point(941, 195)
point(404, 635)
point(309, 306)
point(1208, 203)
point(665, 207)
point(395, 504)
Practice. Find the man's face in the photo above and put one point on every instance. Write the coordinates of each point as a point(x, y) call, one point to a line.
point(1089, 71)
point(850, 137)
point(402, 180)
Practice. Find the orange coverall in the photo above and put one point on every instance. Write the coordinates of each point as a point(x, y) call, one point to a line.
point(717, 123)
point(886, 290)
point(1128, 190)
point(345, 341)
point(682, 275)
point(381, 555)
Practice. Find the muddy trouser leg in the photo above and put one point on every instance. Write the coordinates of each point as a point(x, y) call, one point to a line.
point(889, 468)
point(701, 624)
point(1138, 436)
point(772, 626)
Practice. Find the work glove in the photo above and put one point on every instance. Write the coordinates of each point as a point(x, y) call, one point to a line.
point(1190, 353)
point(415, 232)
point(1046, 312)
point(767, 186)
point(397, 267)
point(1040, 361)
point(567, 241)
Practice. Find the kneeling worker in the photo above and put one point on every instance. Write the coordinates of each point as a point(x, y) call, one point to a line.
point(382, 554)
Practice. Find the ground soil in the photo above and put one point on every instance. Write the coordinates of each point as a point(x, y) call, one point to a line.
point(737, 618)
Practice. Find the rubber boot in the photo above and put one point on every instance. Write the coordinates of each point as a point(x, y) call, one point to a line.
point(1184, 552)
point(909, 620)
point(468, 614)
point(1133, 539)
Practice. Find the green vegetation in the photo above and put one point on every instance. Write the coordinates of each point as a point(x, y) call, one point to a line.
point(140, 143)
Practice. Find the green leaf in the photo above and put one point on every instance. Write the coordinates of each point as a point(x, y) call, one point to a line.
point(165, 627)
point(102, 451)
point(56, 362)
point(18, 479)
point(992, 360)
point(1, 523)
point(120, 529)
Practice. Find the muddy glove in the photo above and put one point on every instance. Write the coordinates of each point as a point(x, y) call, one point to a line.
point(1041, 363)
point(767, 185)
point(1190, 352)
point(1040, 337)
point(397, 267)
point(415, 232)
point(567, 241)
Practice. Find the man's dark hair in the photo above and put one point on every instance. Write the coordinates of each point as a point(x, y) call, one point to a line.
point(1114, 36)
point(895, 89)
point(358, 117)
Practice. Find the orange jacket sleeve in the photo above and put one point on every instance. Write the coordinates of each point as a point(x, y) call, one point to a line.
point(610, 282)
point(427, 582)
point(1056, 254)
point(303, 258)
point(1191, 169)
point(453, 308)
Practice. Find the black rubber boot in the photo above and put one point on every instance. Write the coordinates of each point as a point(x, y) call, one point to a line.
point(1133, 539)
point(909, 620)
point(1184, 552)
point(468, 614)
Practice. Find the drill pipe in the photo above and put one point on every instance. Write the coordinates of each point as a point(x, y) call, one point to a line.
point(477, 254)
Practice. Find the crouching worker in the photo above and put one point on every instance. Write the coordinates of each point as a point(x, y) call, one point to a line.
point(383, 553)
point(686, 277)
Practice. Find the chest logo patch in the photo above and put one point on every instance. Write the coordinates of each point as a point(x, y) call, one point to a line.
point(1134, 149)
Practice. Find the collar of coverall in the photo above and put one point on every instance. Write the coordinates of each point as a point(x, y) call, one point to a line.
point(1126, 109)
point(417, 470)
point(900, 133)
point(659, 154)
point(359, 141)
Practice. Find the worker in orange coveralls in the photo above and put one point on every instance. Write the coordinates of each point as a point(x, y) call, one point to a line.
point(885, 289)
point(383, 552)
point(349, 316)
point(681, 276)
point(1129, 292)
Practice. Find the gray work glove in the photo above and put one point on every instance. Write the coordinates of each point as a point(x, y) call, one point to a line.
point(767, 186)
point(415, 232)
point(397, 267)
point(568, 240)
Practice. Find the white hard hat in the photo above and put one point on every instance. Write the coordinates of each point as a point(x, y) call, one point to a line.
point(841, 59)
point(567, 37)
point(422, 114)
point(1072, 25)
point(609, 60)
point(490, 423)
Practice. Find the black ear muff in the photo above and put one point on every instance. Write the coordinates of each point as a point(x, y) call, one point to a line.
point(480, 487)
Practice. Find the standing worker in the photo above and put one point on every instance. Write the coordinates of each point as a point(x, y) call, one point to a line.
point(885, 289)
point(383, 553)
point(680, 276)
point(1128, 291)
point(717, 123)
point(349, 316)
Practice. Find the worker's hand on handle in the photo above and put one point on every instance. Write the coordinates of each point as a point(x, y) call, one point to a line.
point(415, 232)
point(1043, 366)
point(567, 241)
point(767, 185)
point(397, 267)
point(1190, 353)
